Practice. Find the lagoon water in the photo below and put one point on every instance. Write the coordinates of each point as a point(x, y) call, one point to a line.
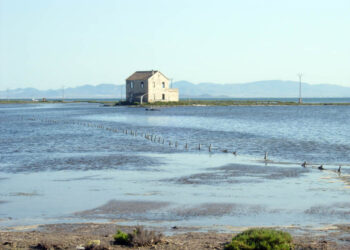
point(64, 163)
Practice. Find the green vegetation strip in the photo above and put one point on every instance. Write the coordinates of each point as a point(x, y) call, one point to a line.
point(180, 103)
point(224, 103)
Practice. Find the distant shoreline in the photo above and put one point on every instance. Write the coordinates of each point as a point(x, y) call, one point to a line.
point(194, 102)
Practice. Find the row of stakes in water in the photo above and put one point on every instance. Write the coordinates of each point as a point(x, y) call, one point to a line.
point(153, 138)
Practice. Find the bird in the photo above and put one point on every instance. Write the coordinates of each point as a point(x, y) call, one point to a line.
point(321, 167)
point(234, 152)
point(339, 169)
point(303, 164)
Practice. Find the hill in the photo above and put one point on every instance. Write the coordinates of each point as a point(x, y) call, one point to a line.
point(272, 88)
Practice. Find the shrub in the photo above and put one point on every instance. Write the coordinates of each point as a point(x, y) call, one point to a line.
point(143, 237)
point(45, 245)
point(95, 245)
point(122, 238)
point(139, 237)
point(261, 239)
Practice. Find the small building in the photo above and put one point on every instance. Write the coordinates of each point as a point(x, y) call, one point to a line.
point(150, 86)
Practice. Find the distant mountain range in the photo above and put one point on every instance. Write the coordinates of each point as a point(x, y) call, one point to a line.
point(84, 91)
point(273, 88)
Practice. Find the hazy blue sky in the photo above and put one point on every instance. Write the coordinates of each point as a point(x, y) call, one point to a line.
point(50, 43)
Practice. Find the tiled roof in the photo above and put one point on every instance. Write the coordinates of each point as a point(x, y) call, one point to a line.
point(141, 75)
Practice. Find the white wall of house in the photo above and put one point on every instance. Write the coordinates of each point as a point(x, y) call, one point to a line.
point(172, 95)
point(157, 86)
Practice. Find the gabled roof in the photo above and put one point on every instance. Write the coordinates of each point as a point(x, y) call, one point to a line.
point(141, 75)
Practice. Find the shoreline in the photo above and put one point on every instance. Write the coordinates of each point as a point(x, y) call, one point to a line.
point(71, 235)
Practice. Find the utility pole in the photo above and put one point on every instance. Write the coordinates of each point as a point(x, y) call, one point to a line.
point(171, 83)
point(7, 95)
point(300, 75)
point(62, 93)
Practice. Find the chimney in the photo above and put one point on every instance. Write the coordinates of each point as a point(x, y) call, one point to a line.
point(152, 72)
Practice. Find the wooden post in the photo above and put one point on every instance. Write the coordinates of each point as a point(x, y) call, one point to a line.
point(209, 147)
point(265, 157)
point(199, 146)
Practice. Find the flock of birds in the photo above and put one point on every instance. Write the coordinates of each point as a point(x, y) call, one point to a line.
point(320, 167)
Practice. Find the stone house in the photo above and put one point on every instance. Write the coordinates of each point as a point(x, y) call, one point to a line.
point(150, 86)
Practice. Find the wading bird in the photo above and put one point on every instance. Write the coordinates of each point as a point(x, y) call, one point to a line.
point(339, 169)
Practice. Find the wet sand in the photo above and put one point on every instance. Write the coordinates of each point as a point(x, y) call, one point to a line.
point(69, 236)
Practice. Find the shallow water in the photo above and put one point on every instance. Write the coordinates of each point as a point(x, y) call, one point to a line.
point(57, 166)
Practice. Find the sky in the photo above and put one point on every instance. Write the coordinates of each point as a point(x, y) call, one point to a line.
point(47, 44)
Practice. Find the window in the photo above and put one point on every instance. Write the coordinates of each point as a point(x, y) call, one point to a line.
point(142, 85)
point(163, 96)
point(163, 85)
point(131, 85)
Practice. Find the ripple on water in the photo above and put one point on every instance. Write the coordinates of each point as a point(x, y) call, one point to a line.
point(338, 210)
point(85, 163)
